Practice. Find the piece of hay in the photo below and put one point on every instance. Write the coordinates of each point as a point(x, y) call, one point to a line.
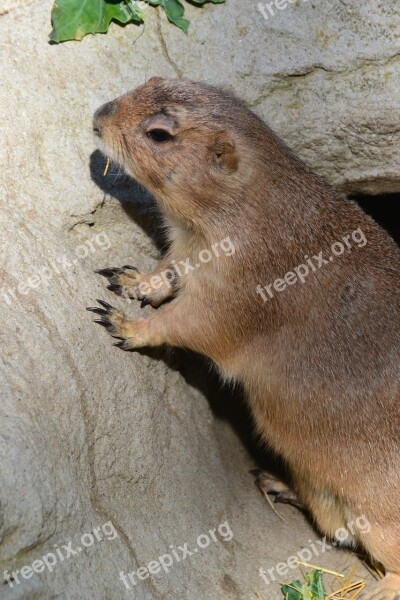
point(107, 167)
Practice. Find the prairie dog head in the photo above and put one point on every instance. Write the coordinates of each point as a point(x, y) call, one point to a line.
point(181, 140)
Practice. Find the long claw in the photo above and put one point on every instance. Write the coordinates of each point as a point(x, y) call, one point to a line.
point(256, 472)
point(97, 310)
point(105, 304)
point(105, 324)
point(123, 345)
point(106, 272)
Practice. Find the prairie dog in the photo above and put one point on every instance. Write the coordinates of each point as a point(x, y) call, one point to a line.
point(317, 354)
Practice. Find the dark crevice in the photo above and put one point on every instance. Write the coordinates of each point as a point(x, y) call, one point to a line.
point(384, 210)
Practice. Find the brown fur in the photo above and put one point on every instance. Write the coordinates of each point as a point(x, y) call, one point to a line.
point(320, 361)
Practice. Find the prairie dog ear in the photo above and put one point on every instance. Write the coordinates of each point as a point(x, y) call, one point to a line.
point(155, 79)
point(164, 121)
point(224, 151)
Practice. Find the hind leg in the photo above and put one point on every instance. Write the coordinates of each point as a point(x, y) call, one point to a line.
point(329, 513)
point(373, 525)
point(383, 544)
point(386, 589)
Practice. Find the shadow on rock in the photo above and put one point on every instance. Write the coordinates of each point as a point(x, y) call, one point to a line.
point(135, 200)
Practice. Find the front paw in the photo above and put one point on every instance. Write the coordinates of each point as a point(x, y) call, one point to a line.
point(119, 326)
point(126, 281)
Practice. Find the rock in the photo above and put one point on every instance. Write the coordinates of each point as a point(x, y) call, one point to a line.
point(324, 75)
point(140, 447)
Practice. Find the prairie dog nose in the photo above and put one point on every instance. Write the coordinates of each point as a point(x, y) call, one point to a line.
point(106, 110)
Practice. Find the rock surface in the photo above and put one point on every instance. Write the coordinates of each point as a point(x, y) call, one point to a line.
point(93, 437)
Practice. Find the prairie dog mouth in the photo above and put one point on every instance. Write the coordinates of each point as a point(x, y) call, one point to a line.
point(109, 153)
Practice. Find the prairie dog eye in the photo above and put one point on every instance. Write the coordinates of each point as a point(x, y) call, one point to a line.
point(159, 135)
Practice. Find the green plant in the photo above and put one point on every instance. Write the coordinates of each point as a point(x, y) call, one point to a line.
point(311, 589)
point(73, 19)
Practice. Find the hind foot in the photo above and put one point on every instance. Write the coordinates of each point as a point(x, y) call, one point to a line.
point(269, 484)
point(386, 589)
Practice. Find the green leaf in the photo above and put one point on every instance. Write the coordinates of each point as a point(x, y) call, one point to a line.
point(174, 11)
point(316, 584)
point(293, 591)
point(73, 19)
point(311, 589)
